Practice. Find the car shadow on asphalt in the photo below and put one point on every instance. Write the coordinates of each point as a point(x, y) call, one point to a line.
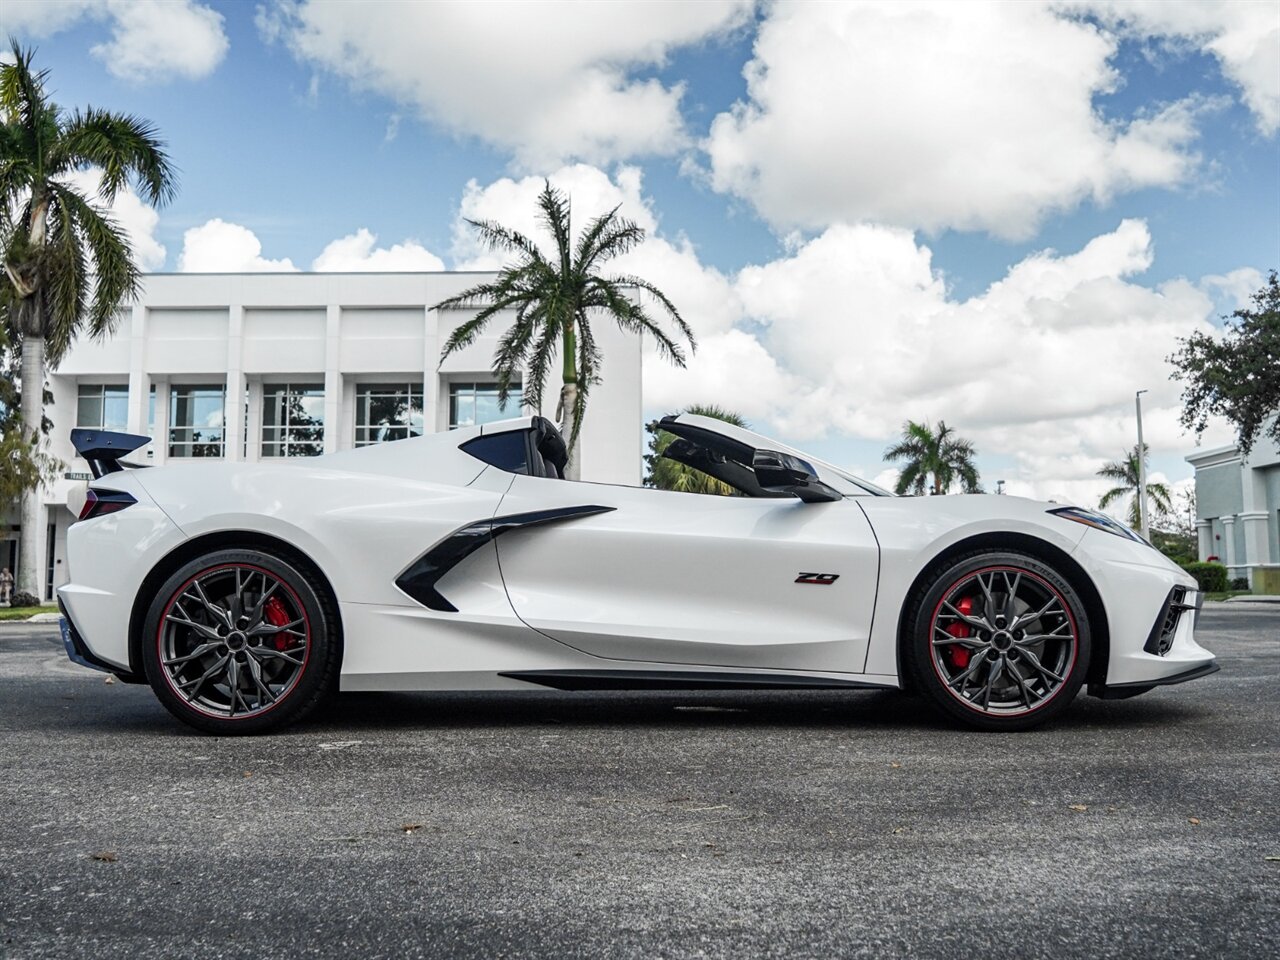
point(133, 710)
point(798, 709)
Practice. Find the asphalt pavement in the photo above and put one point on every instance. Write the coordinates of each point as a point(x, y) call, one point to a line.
point(781, 824)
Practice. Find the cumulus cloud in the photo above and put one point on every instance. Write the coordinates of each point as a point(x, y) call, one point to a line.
point(853, 331)
point(150, 39)
point(221, 247)
point(1244, 36)
point(544, 86)
point(937, 115)
point(138, 219)
point(359, 252)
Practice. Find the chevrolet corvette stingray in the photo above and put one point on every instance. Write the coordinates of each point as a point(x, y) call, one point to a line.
point(244, 593)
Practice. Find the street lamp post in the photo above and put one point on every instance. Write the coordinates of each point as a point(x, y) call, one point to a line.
point(1142, 471)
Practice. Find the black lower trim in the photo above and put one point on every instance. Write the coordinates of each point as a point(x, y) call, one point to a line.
point(1122, 691)
point(78, 651)
point(420, 578)
point(678, 680)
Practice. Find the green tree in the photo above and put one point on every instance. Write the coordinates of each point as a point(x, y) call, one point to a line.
point(68, 266)
point(554, 300)
point(933, 460)
point(667, 474)
point(1235, 376)
point(1125, 474)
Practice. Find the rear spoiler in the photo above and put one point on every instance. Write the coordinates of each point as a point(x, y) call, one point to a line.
point(103, 449)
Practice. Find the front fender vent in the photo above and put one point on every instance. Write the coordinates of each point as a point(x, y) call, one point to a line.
point(1163, 631)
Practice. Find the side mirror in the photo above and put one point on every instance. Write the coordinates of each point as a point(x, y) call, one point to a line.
point(783, 473)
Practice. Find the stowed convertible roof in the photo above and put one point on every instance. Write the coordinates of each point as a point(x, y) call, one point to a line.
point(828, 473)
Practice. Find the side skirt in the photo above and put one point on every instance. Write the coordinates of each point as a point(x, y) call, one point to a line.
point(681, 680)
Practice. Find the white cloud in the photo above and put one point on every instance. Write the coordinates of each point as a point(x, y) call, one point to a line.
point(136, 218)
point(1238, 286)
point(39, 18)
point(936, 115)
point(150, 39)
point(853, 332)
point(545, 83)
point(221, 247)
point(1243, 34)
point(358, 252)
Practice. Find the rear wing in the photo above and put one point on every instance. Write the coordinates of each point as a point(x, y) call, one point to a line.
point(103, 449)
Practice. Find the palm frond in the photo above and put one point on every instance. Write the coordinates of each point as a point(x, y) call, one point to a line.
point(499, 238)
point(1112, 495)
point(555, 216)
point(115, 272)
point(123, 146)
point(22, 96)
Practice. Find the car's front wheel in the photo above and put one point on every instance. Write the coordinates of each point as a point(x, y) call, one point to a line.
point(998, 640)
point(240, 641)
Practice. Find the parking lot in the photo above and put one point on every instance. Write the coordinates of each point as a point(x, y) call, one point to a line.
point(675, 825)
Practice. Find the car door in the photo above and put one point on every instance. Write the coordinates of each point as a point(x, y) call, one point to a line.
point(662, 577)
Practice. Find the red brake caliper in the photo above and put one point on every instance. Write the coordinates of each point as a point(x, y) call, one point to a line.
point(956, 653)
point(276, 615)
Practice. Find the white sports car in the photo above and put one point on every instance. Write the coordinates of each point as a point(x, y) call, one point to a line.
point(245, 592)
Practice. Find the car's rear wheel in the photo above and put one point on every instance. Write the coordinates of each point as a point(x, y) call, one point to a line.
point(998, 640)
point(240, 641)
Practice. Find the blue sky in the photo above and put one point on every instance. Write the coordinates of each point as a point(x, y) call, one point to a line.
point(841, 203)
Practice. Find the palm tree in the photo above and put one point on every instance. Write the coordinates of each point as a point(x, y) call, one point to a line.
point(1125, 473)
point(68, 266)
point(554, 301)
point(942, 456)
point(667, 474)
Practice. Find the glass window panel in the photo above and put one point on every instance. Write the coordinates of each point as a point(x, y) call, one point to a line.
point(475, 403)
point(293, 420)
point(89, 409)
point(195, 421)
point(115, 408)
point(388, 411)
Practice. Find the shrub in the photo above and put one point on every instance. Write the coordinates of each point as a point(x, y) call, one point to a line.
point(1240, 583)
point(1212, 577)
point(21, 599)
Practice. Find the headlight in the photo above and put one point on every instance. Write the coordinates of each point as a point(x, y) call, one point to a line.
point(1098, 521)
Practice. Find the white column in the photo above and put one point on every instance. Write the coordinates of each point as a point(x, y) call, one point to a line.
point(1229, 543)
point(161, 444)
point(233, 407)
point(334, 427)
point(431, 422)
point(253, 429)
point(1204, 539)
point(139, 382)
point(1257, 545)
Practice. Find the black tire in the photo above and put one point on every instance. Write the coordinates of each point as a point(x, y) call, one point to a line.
point(277, 625)
point(1028, 681)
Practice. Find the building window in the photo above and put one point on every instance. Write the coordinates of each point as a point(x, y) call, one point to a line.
point(473, 403)
point(103, 407)
point(387, 411)
point(292, 420)
point(195, 421)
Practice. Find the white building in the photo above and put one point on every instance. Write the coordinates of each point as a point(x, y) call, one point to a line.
point(247, 366)
point(1238, 511)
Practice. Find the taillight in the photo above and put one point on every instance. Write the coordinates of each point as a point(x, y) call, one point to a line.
point(98, 503)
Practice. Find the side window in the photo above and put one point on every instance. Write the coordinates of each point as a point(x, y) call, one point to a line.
point(507, 451)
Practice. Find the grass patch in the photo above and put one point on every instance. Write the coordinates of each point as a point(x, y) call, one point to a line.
point(1227, 594)
point(22, 613)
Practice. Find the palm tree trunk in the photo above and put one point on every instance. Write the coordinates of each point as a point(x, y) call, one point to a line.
point(568, 422)
point(569, 400)
point(28, 574)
